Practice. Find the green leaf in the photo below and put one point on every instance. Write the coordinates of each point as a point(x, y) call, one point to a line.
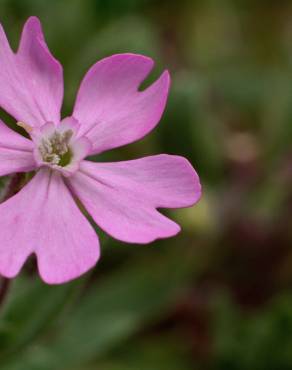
point(110, 313)
point(32, 307)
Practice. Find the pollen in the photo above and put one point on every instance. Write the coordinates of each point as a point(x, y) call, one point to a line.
point(55, 149)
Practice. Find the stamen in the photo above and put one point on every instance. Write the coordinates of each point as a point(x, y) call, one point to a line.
point(27, 127)
point(55, 149)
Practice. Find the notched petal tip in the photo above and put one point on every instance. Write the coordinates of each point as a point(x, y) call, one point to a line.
point(172, 230)
point(33, 28)
point(195, 179)
point(69, 275)
point(166, 79)
point(130, 57)
point(11, 267)
point(160, 87)
point(2, 31)
point(9, 274)
point(32, 79)
point(136, 67)
point(34, 23)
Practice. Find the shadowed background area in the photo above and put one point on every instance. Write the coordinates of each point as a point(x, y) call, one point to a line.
point(218, 295)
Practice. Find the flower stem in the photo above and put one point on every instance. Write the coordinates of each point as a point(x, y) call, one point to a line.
point(4, 288)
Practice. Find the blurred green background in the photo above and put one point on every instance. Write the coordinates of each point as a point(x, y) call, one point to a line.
point(217, 296)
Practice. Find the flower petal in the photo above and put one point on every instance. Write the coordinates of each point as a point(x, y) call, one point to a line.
point(16, 152)
point(31, 80)
point(44, 219)
point(122, 197)
point(111, 110)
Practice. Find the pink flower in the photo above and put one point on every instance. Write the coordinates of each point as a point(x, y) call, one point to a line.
point(122, 198)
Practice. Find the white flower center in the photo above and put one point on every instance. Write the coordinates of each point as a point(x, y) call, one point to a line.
point(55, 149)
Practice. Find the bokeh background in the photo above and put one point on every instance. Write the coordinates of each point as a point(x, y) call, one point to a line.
point(217, 296)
